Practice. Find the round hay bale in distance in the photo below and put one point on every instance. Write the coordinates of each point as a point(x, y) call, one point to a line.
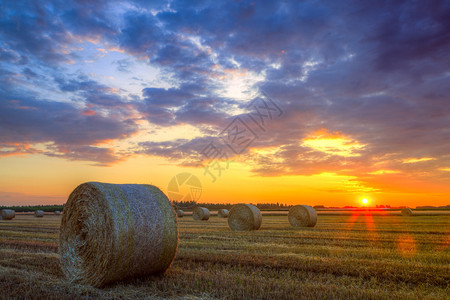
point(407, 212)
point(39, 214)
point(200, 213)
point(302, 216)
point(111, 232)
point(223, 213)
point(57, 212)
point(8, 214)
point(244, 217)
point(180, 213)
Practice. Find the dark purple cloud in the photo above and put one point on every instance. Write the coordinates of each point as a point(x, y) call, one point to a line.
point(92, 92)
point(32, 30)
point(166, 97)
point(140, 35)
point(72, 132)
point(38, 120)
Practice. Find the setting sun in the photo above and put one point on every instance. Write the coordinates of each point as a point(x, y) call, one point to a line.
point(224, 149)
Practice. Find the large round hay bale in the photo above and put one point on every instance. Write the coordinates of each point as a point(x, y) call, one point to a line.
point(407, 212)
point(39, 214)
point(302, 216)
point(180, 213)
point(110, 232)
point(223, 213)
point(244, 217)
point(8, 214)
point(200, 213)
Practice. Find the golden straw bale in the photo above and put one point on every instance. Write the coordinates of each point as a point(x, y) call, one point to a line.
point(8, 214)
point(244, 217)
point(407, 212)
point(223, 213)
point(110, 232)
point(200, 213)
point(302, 216)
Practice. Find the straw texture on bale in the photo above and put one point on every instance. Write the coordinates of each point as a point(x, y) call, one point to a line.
point(180, 213)
point(302, 216)
point(111, 232)
point(223, 213)
point(407, 212)
point(8, 214)
point(200, 213)
point(244, 217)
point(39, 214)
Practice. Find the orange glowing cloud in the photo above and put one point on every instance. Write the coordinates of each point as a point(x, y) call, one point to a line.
point(113, 90)
point(26, 107)
point(230, 74)
point(16, 105)
point(104, 142)
point(382, 172)
point(115, 49)
point(414, 160)
point(333, 143)
point(14, 149)
point(88, 112)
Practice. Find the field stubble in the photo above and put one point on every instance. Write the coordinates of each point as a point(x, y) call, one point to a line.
point(360, 255)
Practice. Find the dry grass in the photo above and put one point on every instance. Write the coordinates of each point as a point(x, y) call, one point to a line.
point(359, 256)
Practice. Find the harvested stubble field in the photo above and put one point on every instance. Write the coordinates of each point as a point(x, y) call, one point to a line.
point(360, 255)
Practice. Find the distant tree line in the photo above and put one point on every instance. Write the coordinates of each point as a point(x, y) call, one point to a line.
point(32, 208)
point(177, 204)
point(184, 204)
point(211, 206)
point(215, 206)
point(429, 207)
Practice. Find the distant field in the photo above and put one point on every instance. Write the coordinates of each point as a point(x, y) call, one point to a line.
point(364, 255)
point(347, 212)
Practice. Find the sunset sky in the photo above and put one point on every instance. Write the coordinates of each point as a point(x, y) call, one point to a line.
point(340, 100)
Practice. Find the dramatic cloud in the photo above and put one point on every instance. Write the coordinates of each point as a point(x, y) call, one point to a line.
point(68, 130)
point(363, 86)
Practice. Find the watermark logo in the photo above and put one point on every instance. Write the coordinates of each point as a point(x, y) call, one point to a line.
point(238, 136)
point(240, 133)
point(184, 190)
point(263, 110)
